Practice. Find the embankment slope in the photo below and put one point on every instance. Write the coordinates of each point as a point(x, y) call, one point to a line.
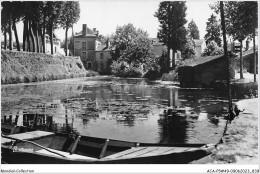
point(22, 67)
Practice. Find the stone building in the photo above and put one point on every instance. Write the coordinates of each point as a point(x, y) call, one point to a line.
point(85, 45)
point(94, 54)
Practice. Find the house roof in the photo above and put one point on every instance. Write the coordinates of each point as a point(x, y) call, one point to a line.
point(198, 42)
point(89, 32)
point(246, 53)
point(101, 47)
point(203, 60)
point(155, 41)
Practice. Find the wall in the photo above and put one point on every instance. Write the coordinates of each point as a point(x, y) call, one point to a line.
point(102, 63)
point(19, 67)
point(89, 50)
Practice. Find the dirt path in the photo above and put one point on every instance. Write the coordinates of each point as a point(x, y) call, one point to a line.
point(240, 144)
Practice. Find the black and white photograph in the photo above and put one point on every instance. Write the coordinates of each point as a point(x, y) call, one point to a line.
point(112, 86)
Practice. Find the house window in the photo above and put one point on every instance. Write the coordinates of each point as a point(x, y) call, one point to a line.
point(84, 45)
point(89, 65)
point(84, 55)
point(101, 55)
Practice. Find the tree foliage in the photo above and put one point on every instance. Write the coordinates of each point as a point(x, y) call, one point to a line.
point(193, 30)
point(241, 18)
point(132, 46)
point(70, 45)
point(39, 18)
point(172, 32)
point(188, 51)
point(70, 15)
point(212, 49)
point(213, 31)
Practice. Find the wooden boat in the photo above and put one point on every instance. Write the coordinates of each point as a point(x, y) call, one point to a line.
point(40, 147)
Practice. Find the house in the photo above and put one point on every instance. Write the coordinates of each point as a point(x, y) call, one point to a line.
point(248, 61)
point(85, 46)
point(199, 46)
point(94, 54)
point(56, 44)
point(204, 71)
point(103, 57)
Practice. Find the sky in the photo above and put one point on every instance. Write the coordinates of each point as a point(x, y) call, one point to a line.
point(106, 15)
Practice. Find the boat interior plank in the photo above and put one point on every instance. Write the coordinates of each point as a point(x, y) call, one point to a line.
point(126, 152)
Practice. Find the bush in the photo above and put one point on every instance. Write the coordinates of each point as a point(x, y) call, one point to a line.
point(212, 49)
point(91, 73)
point(34, 78)
point(79, 65)
point(122, 69)
point(171, 76)
point(152, 74)
point(26, 79)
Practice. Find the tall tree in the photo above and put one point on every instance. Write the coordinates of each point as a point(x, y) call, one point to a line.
point(193, 30)
point(132, 46)
point(172, 32)
point(70, 44)
point(241, 19)
point(7, 15)
point(4, 22)
point(70, 15)
point(228, 64)
point(213, 31)
point(53, 12)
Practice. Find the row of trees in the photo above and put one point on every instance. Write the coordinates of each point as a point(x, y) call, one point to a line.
point(39, 18)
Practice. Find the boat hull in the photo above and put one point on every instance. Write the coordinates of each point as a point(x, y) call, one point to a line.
point(11, 157)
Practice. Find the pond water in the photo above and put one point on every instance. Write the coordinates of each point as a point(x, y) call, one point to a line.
point(115, 108)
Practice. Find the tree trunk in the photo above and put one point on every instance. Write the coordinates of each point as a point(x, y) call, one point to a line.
point(241, 59)
point(43, 32)
point(255, 58)
point(37, 37)
point(25, 28)
point(173, 59)
point(32, 35)
point(51, 36)
point(228, 62)
point(73, 42)
point(5, 39)
point(10, 32)
point(28, 38)
point(16, 36)
point(66, 41)
point(168, 59)
point(40, 38)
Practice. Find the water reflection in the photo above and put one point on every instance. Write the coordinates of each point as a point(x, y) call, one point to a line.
point(126, 109)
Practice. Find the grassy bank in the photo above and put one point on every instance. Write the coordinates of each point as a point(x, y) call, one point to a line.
point(240, 142)
point(25, 67)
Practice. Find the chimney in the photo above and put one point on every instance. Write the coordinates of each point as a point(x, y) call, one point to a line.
point(94, 29)
point(107, 44)
point(84, 29)
point(247, 45)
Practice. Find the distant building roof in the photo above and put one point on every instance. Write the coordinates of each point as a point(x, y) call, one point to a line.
point(198, 42)
point(246, 53)
point(89, 32)
point(203, 60)
point(155, 41)
point(102, 47)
